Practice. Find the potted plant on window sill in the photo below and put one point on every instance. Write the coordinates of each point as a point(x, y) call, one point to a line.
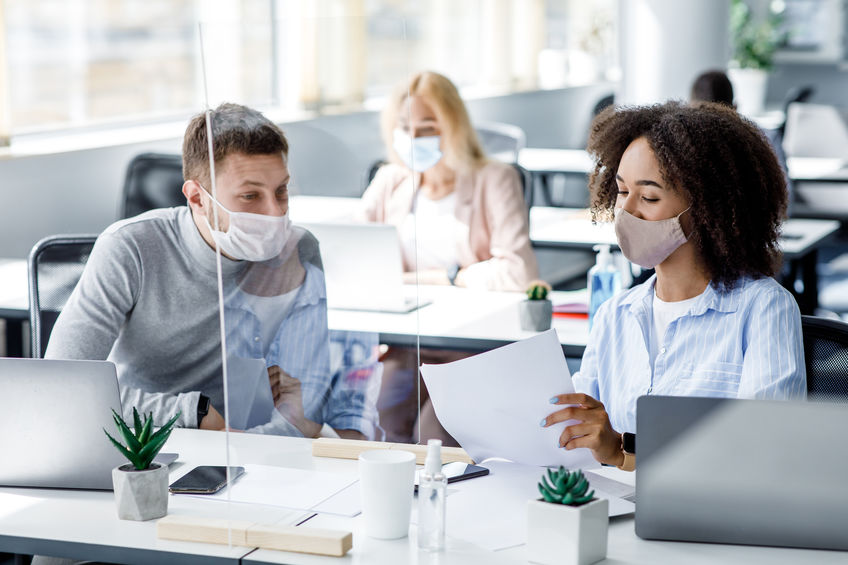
point(141, 486)
point(567, 525)
point(754, 47)
point(535, 312)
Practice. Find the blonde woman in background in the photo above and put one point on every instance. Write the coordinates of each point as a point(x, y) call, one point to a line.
point(461, 217)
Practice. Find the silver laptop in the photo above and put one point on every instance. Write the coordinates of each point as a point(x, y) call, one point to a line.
point(363, 267)
point(52, 416)
point(742, 471)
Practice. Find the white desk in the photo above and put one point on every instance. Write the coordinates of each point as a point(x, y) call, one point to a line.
point(570, 228)
point(83, 525)
point(463, 319)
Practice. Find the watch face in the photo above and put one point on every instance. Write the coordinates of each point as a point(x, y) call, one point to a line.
point(628, 442)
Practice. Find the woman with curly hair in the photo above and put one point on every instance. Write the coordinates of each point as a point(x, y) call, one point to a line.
point(696, 193)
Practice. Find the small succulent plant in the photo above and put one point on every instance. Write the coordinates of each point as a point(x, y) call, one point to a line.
point(565, 487)
point(142, 444)
point(538, 290)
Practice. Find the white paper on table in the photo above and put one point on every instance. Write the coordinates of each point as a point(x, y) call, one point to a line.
point(491, 511)
point(301, 489)
point(492, 403)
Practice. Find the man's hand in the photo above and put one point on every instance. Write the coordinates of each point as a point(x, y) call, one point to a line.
point(212, 421)
point(594, 430)
point(288, 399)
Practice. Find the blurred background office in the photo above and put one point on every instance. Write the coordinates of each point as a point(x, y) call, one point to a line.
point(86, 85)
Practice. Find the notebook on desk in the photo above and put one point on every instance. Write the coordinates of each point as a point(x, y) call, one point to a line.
point(751, 472)
point(363, 267)
point(52, 416)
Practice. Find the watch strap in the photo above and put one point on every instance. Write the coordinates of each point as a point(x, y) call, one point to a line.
point(202, 408)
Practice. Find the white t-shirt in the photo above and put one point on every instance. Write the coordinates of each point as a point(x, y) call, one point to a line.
point(271, 311)
point(664, 313)
point(435, 234)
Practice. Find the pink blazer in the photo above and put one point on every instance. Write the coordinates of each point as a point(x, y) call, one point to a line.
point(497, 254)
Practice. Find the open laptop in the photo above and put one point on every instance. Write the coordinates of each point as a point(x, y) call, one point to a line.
point(742, 471)
point(363, 267)
point(52, 416)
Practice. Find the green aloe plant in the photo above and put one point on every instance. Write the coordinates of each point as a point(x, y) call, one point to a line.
point(538, 290)
point(565, 487)
point(142, 444)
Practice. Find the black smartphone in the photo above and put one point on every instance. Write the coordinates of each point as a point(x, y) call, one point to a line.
point(458, 471)
point(205, 479)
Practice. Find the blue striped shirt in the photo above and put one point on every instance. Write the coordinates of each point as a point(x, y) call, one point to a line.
point(342, 394)
point(744, 343)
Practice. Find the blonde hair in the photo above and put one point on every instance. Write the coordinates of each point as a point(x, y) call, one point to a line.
point(460, 145)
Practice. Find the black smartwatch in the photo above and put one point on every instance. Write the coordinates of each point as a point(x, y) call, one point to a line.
point(628, 443)
point(453, 270)
point(202, 408)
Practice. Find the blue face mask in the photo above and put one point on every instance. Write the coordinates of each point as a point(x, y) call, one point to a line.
point(420, 153)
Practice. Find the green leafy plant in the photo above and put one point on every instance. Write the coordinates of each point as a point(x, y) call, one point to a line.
point(754, 44)
point(565, 487)
point(538, 290)
point(143, 443)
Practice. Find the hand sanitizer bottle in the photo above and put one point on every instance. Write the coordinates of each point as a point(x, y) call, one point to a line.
point(604, 280)
point(432, 490)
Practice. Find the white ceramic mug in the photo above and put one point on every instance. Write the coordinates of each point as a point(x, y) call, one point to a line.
point(386, 483)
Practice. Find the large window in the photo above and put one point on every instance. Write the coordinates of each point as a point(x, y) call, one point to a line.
point(86, 63)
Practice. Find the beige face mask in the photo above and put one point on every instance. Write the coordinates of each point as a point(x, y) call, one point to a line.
point(648, 243)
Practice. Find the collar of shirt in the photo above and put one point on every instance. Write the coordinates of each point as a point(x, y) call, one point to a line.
point(640, 297)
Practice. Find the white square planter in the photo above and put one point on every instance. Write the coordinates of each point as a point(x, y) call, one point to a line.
point(558, 534)
point(141, 495)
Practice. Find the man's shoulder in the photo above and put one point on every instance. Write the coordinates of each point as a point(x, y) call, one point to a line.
point(147, 224)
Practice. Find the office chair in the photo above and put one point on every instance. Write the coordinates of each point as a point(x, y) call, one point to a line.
point(55, 265)
point(501, 141)
point(795, 94)
point(153, 180)
point(826, 358)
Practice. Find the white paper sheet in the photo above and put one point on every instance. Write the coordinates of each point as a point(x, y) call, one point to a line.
point(492, 403)
point(301, 489)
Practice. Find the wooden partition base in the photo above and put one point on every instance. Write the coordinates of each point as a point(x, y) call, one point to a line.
point(335, 543)
point(351, 448)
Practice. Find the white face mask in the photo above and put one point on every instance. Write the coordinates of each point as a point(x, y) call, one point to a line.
point(251, 237)
point(420, 153)
point(647, 243)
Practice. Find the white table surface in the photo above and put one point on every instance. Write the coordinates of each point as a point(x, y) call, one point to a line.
point(817, 168)
point(83, 524)
point(458, 317)
point(573, 227)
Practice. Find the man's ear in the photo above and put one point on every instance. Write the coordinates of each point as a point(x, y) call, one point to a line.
point(192, 192)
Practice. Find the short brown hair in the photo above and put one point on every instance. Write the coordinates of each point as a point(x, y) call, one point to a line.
point(235, 129)
point(720, 162)
point(460, 144)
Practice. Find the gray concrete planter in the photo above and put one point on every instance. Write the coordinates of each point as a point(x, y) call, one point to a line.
point(141, 495)
point(536, 315)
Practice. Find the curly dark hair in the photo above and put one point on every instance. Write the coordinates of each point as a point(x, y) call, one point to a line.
point(722, 164)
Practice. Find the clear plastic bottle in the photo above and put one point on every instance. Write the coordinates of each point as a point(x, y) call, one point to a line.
point(432, 491)
point(604, 280)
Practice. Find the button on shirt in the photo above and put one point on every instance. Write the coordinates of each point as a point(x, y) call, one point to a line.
point(742, 343)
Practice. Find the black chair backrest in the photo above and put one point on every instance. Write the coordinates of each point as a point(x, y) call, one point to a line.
point(826, 358)
point(153, 180)
point(55, 266)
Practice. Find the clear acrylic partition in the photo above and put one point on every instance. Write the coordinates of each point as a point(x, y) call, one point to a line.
point(305, 331)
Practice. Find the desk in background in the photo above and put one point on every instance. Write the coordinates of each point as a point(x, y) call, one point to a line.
point(821, 187)
point(83, 524)
point(571, 228)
